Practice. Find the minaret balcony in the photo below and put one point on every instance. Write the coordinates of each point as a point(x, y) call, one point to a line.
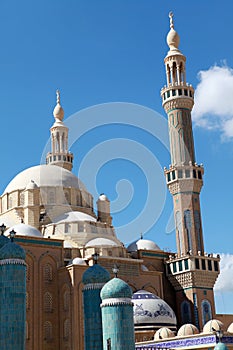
point(55, 158)
point(185, 172)
point(192, 270)
point(178, 96)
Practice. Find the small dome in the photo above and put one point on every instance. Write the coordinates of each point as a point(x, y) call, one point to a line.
point(24, 230)
point(3, 240)
point(142, 244)
point(73, 216)
point(220, 346)
point(44, 175)
point(149, 309)
point(95, 274)
point(163, 333)
point(116, 288)
point(230, 328)
point(103, 197)
point(31, 185)
point(212, 326)
point(187, 329)
point(12, 250)
point(78, 261)
point(101, 242)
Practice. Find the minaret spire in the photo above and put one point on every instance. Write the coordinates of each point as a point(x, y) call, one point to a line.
point(190, 271)
point(59, 154)
point(171, 19)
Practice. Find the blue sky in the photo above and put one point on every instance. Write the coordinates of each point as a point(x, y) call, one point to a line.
point(103, 52)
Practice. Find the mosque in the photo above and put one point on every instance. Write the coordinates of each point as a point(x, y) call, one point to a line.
point(66, 280)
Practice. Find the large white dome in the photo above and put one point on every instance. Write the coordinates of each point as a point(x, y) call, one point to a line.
point(24, 230)
point(150, 310)
point(44, 175)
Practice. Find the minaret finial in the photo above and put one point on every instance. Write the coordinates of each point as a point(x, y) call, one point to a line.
point(58, 96)
point(171, 19)
point(141, 235)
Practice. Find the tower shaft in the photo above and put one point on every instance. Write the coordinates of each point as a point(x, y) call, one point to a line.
point(191, 271)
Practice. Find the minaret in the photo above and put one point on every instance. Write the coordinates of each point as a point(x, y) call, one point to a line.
point(59, 154)
point(184, 180)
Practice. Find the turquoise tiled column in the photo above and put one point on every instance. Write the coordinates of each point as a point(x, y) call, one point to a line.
point(12, 297)
point(117, 316)
point(94, 279)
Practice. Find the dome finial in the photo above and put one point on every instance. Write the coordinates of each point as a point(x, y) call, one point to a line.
point(171, 19)
point(58, 111)
point(173, 39)
point(58, 96)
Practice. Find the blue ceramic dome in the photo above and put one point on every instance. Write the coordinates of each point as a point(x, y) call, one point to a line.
point(95, 274)
point(116, 288)
point(3, 240)
point(220, 346)
point(12, 250)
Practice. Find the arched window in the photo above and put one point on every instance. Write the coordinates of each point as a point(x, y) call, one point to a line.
point(51, 197)
point(48, 331)
point(66, 197)
point(179, 229)
point(188, 226)
point(66, 329)
point(197, 222)
point(66, 300)
point(48, 302)
point(206, 311)
point(28, 273)
point(186, 312)
point(48, 273)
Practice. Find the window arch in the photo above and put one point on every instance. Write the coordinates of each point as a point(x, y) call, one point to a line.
point(179, 229)
point(186, 312)
point(206, 311)
point(48, 302)
point(48, 272)
point(48, 331)
point(66, 300)
point(51, 197)
point(66, 329)
point(188, 226)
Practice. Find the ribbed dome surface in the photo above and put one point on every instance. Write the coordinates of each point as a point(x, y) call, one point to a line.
point(12, 250)
point(163, 333)
point(212, 326)
point(95, 274)
point(3, 240)
point(187, 329)
point(116, 288)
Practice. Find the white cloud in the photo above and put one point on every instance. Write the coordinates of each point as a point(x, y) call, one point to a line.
point(225, 281)
point(213, 107)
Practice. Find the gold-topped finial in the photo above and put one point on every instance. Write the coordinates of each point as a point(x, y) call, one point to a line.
point(171, 19)
point(58, 96)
